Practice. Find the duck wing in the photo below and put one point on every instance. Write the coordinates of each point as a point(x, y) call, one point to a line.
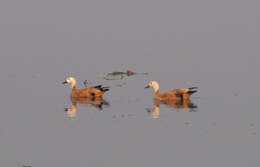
point(101, 88)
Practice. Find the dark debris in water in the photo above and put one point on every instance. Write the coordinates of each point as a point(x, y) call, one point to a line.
point(118, 75)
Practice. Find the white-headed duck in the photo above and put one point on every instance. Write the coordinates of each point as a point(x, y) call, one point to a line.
point(96, 91)
point(181, 94)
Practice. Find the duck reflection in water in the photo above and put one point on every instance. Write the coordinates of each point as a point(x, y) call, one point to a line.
point(178, 105)
point(97, 102)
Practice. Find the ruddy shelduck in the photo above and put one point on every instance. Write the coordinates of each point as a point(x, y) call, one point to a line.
point(181, 94)
point(96, 91)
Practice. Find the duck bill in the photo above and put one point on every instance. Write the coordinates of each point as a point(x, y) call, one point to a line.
point(147, 86)
point(65, 82)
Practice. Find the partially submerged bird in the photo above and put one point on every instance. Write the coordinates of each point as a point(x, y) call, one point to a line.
point(118, 75)
point(181, 94)
point(128, 73)
point(96, 91)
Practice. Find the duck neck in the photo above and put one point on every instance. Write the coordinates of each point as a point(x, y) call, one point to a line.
point(73, 91)
point(156, 94)
point(156, 89)
point(73, 83)
point(73, 88)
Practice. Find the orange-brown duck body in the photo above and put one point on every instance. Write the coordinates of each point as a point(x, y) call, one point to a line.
point(177, 94)
point(96, 91)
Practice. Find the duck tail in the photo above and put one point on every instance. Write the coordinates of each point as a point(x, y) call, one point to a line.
point(192, 90)
point(193, 87)
point(104, 89)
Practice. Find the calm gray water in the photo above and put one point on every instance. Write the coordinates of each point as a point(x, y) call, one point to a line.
point(210, 44)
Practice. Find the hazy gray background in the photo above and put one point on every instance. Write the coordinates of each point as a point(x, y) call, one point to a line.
point(213, 44)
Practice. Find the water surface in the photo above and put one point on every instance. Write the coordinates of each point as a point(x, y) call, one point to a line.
point(213, 45)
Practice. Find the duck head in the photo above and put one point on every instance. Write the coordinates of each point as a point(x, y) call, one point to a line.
point(71, 81)
point(154, 85)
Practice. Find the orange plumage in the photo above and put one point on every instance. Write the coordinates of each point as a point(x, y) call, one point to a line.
point(96, 91)
point(176, 94)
